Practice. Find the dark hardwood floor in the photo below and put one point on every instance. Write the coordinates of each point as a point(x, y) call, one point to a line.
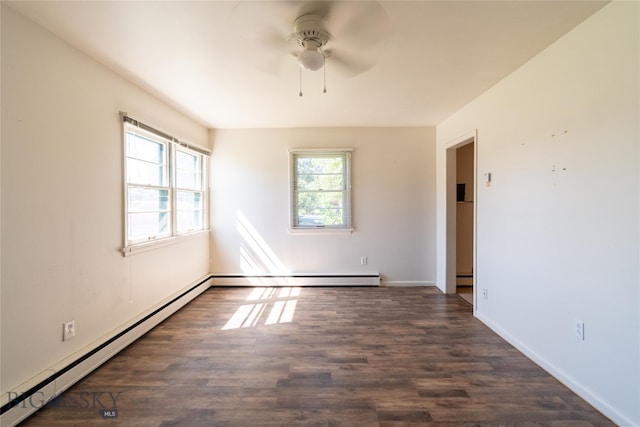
point(320, 357)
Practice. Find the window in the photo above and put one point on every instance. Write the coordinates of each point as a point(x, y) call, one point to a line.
point(165, 186)
point(321, 189)
point(190, 213)
point(148, 190)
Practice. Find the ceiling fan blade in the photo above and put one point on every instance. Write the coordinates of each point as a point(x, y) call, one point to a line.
point(264, 51)
point(254, 19)
point(274, 38)
point(316, 7)
point(350, 64)
point(358, 24)
point(273, 66)
point(263, 34)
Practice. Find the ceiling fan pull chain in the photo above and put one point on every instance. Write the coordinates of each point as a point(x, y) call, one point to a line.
point(324, 72)
point(300, 70)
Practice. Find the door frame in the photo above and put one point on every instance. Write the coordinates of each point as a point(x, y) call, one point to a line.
point(450, 272)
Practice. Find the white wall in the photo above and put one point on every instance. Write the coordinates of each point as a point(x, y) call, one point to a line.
point(393, 177)
point(62, 201)
point(558, 229)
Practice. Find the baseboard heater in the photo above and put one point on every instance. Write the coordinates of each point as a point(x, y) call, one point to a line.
point(18, 405)
point(270, 280)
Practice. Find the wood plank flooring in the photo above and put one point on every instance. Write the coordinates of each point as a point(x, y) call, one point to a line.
point(320, 357)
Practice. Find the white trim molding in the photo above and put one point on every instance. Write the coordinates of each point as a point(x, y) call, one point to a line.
point(407, 283)
point(296, 280)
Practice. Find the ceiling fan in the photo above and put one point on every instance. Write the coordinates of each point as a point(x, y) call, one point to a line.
point(340, 33)
point(311, 35)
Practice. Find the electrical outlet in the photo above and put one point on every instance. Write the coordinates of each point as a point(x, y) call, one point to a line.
point(578, 329)
point(364, 260)
point(485, 293)
point(68, 330)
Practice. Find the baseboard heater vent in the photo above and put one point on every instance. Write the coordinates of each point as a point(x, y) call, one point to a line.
point(296, 280)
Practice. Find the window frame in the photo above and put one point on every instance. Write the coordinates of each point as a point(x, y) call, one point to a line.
point(171, 147)
point(347, 191)
point(166, 185)
point(200, 159)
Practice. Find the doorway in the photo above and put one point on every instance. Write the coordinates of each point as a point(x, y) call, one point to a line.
point(461, 217)
point(464, 225)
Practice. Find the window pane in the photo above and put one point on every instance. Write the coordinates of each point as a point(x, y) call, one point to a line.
point(314, 165)
point(190, 212)
point(146, 161)
point(188, 170)
point(145, 149)
point(143, 225)
point(140, 172)
point(187, 179)
point(148, 199)
point(316, 208)
point(187, 161)
point(189, 200)
point(148, 213)
point(189, 221)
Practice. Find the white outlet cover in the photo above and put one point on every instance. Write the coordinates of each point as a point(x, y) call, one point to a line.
point(579, 329)
point(68, 330)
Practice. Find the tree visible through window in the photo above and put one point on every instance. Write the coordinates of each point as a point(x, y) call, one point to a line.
point(321, 189)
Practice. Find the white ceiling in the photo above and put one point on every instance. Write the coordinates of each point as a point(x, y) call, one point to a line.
point(211, 59)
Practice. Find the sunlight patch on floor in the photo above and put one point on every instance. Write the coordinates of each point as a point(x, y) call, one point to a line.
point(282, 305)
point(263, 269)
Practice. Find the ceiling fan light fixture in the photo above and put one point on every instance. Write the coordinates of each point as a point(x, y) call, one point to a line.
point(311, 60)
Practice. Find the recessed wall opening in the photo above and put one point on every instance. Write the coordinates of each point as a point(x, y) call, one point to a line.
point(460, 217)
point(465, 184)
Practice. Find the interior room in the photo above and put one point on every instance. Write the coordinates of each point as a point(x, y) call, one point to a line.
point(533, 106)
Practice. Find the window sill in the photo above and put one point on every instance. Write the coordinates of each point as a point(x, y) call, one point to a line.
point(155, 244)
point(321, 230)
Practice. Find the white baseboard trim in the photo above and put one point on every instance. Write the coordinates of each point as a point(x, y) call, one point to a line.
point(404, 283)
point(575, 386)
point(35, 393)
point(295, 280)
